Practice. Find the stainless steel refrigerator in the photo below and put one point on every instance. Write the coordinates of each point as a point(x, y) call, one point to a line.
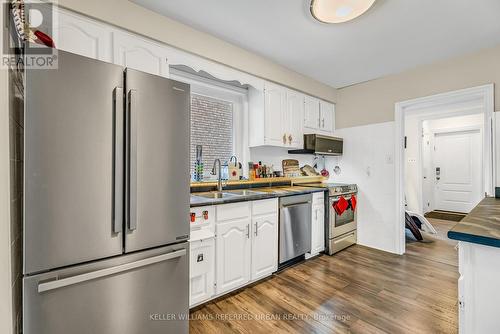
point(106, 200)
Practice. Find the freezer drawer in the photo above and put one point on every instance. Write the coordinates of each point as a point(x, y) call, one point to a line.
point(144, 292)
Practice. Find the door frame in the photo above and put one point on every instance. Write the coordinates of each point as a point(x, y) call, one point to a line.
point(484, 96)
point(457, 130)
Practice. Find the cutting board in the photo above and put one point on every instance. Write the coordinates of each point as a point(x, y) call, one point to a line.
point(291, 168)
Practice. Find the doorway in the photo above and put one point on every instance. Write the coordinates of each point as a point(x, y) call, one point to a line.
point(448, 165)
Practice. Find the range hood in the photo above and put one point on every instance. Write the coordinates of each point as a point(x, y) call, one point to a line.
point(321, 145)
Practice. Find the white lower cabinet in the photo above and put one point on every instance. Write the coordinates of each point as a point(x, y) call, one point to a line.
point(317, 225)
point(246, 243)
point(201, 270)
point(233, 254)
point(264, 245)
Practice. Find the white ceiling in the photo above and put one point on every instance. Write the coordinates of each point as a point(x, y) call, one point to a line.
point(392, 36)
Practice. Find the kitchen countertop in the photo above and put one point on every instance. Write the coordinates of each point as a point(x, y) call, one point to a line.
point(481, 225)
point(263, 193)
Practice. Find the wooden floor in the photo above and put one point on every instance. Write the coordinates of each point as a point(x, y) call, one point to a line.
point(359, 290)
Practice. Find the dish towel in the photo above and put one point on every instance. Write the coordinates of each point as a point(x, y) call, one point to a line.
point(340, 206)
point(354, 202)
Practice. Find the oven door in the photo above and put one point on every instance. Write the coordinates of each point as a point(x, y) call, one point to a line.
point(344, 223)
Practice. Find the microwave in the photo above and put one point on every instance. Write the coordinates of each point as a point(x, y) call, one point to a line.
point(321, 145)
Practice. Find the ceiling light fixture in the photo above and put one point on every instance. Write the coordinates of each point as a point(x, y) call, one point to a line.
point(338, 11)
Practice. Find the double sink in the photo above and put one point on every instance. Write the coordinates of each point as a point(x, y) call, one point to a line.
point(228, 194)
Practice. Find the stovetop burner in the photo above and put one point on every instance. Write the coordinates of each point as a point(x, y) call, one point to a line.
point(335, 189)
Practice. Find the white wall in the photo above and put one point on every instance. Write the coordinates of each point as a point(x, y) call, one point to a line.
point(368, 161)
point(373, 101)
point(415, 127)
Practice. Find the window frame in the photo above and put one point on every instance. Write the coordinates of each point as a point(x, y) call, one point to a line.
point(228, 93)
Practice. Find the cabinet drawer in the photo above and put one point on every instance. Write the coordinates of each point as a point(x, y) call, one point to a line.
point(265, 206)
point(204, 216)
point(233, 211)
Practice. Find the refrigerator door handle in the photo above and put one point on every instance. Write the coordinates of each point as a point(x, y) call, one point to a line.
point(118, 160)
point(132, 160)
point(52, 285)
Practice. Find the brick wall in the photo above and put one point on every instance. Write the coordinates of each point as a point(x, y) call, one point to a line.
point(212, 127)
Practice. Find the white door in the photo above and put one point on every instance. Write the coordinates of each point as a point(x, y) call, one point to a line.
point(327, 112)
point(458, 170)
point(264, 245)
point(82, 36)
point(139, 54)
point(311, 113)
point(294, 118)
point(275, 115)
point(233, 249)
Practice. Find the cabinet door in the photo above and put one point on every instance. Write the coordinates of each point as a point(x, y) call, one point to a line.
point(327, 116)
point(294, 119)
point(82, 36)
point(311, 113)
point(274, 107)
point(201, 270)
point(233, 254)
point(318, 242)
point(140, 54)
point(264, 245)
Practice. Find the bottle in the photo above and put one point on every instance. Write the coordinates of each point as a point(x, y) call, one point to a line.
point(251, 171)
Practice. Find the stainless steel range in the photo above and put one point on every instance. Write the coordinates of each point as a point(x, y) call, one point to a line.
point(341, 223)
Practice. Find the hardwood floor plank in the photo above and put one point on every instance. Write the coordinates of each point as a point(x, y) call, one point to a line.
point(359, 290)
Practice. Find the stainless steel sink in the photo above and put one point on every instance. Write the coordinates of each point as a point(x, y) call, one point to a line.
point(244, 192)
point(215, 195)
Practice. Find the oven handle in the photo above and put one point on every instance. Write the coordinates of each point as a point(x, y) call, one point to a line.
point(344, 238)
point(346, 196)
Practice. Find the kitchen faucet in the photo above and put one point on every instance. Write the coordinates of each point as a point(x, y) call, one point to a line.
point(219, 174)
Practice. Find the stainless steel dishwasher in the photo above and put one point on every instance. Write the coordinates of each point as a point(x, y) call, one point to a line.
point(294, 227)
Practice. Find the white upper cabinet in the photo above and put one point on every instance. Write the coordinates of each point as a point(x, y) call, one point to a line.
point(327, 113)
point(276, 117)
point(82, 36)
point(140, 54)
point(294, 115)
point(274, 108)
point(311, 113)
point(319, 116)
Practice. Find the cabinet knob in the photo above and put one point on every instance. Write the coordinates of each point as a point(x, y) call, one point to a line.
point(284, 138)
point(323, 123)
point(290, 139)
